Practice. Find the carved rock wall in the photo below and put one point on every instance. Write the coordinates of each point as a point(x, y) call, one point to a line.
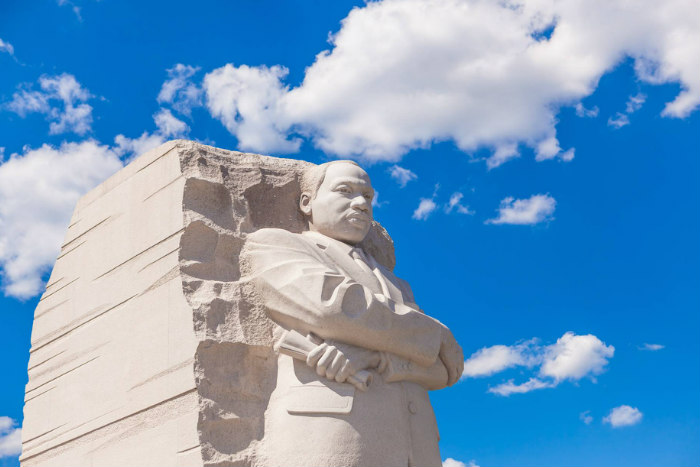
point(147, 349)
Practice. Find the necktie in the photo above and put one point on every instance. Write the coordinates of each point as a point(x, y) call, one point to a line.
point(362, 260)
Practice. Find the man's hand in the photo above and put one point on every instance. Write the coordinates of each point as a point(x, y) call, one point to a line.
point(451, 356)
point(338, 361)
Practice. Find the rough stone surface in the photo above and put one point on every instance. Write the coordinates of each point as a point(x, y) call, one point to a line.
point(146, 347)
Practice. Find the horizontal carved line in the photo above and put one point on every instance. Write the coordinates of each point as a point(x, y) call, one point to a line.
point(139, 254)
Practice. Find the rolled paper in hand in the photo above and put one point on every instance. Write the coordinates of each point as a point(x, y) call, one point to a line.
point(298, 347)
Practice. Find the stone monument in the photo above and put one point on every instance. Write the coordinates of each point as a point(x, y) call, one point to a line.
point(218, 308)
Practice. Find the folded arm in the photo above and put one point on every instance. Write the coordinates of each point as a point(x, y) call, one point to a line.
point(303, 291)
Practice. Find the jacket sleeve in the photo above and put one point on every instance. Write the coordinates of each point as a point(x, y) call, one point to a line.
point(301, 290)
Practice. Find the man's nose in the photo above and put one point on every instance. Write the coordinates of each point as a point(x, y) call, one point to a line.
point(360, 203)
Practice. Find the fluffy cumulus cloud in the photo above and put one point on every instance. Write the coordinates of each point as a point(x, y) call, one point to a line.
point(6, 47)
point(250, 102)
point(10, 438)
point(401, 175)
point(38, 191)
point(572, 357)
point(61, 98)
point(489, 360)
point(623, 415)
point(480, 73)
point(533, 210)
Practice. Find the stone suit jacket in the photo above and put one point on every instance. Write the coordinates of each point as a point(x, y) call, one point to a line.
point(311, 283)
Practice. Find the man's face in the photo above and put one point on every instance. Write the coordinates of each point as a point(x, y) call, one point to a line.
point(342, 208)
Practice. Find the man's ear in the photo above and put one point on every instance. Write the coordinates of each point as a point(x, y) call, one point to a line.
point(305, 203)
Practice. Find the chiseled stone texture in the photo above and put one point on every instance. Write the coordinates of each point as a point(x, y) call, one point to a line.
point(146, 348)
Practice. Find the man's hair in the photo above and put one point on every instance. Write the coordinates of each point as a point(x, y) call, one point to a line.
point(312, 178)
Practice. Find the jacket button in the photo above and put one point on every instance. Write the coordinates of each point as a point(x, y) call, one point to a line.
point(412, 407)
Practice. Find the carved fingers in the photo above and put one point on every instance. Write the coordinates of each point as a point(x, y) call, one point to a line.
point(338, 361)
point(330, 362)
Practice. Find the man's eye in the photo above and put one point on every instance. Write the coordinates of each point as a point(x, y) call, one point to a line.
point(368, 196)
point(343, 189)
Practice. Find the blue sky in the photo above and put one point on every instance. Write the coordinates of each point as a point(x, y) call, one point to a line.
point(536, 164)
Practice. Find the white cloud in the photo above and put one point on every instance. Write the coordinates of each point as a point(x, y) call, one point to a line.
point(652, 347)
point(401, 175)
point(248, 102)
point(618, 120)
point(572, 357)
point(635, 103)
point(403, 74)
point(61, 99)
point(508, 388)
point(623, 415)
point(489, 360)
point(576, 356)
point(134, 147)
point(455, 203)
point(10, 438)
point(179, 89)
point(586, 417)
point(168, 127)
point(582, 111)
point(549, 149)
point(6, 47)
point(38, 191)
point(537, 208)
point(502, 154)
point(5, 424)
point(424, 209)
point(449, 462)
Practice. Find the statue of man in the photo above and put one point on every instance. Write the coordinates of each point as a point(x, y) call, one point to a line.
point(365, 319)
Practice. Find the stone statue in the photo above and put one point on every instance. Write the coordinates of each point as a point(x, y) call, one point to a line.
point(356, 354)
point(185, 282)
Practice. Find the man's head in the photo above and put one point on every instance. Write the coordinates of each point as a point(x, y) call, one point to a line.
point(336, 198)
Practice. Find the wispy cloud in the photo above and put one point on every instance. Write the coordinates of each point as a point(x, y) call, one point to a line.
point(635, 102)
point(61, 98)
point(582, 111)
point(455, 204)
point(652, 347)
point(508, 388)
point(622, 416)
point(10, 438)
point(586, 417)
point(618, 120)
point(6, 47)
point(533, 210)
point(401, 175)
